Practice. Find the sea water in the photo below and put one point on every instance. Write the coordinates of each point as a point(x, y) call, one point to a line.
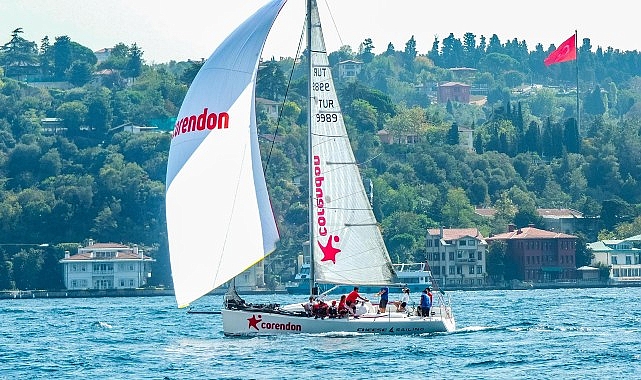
point(513, 334)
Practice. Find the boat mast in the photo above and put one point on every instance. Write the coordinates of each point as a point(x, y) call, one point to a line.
point(310, 170)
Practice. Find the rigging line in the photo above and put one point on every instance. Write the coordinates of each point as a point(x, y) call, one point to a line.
point(334, 22)
point(282, 107)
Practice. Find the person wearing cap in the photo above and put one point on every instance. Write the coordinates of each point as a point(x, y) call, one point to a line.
point(402, 303)
point(426, 304)
point(382, 304)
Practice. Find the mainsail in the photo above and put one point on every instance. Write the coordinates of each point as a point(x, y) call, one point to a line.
point(346, 242)
point(219, 218)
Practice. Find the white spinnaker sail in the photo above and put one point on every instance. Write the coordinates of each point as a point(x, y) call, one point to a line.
point(219, 218)
point(343, 218)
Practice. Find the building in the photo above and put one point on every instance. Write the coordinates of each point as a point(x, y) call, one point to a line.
point(106, 266)
point(102, 55)
point(251, 279)
point(564, 220)
point(349, 69)
point(568, 221)
point(539, 255)
point(453, 91)
point(398, 138)
point(623, 257)
point(132, 128)
point(466, 138)
point(457, 256)
point(270, 107)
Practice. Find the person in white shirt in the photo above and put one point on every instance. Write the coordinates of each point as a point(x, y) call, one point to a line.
point(402, 303)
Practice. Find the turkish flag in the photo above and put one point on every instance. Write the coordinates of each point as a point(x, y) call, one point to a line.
point(565, 52)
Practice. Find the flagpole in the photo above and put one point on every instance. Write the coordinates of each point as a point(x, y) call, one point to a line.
point(578, 111)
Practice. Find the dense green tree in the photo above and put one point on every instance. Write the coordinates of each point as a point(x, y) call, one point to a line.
point(79, 73)
point(18, 55)
point(271, 83)
point(366, 50)
point(457, 211)
point(27, 265)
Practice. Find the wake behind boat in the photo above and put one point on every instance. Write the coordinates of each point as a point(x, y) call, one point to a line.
point(214, 238)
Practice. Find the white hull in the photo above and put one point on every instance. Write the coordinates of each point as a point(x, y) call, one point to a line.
point(248, 322)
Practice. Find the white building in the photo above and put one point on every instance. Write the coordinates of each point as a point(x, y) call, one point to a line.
point(457, 256)
point(349, 69)
point(622, 256)
point(106, 266)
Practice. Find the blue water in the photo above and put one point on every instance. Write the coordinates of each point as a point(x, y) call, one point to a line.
point(515, 334)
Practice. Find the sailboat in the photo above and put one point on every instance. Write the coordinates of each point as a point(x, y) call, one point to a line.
point(219, 218)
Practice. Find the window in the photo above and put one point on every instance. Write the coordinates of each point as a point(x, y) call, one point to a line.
point(471, 243)
point(614, 260)
point(429, 242)
point(479, 269)
point(628, 260)
point(479, 255)
point(443, 258)
point(459, 269)
point(471, 256)
point(462, 243)
point(471, 269)
point(452, 270)
point(451, 256)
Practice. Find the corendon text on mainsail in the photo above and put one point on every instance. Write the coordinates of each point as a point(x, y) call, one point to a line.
point(201, 122)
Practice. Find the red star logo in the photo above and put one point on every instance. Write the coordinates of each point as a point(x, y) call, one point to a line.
point(253, 321)
point(329, 252)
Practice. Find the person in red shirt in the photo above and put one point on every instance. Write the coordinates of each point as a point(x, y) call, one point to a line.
point(342, 307)
point(353, 297)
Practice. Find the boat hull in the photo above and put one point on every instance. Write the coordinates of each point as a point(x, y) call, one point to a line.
point(247, 322)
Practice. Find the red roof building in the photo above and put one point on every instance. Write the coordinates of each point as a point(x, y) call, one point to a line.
point(539, 255)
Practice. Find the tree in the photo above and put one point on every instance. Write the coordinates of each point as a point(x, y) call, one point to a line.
point(73, 115)
point(366, 49)
point(271, 82)
point(27, 265)
point(18, 55)
point(457, 211)
point(495, 260)
point(62, 57)
point(99, 111)
point(583, 255)
point(79, 73)
point(134, 61)
point(452, 134)
point(410, 53)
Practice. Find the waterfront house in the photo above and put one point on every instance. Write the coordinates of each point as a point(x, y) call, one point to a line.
point(106, 266)
point(457, 256)
point(623, 257)
point(539, 255)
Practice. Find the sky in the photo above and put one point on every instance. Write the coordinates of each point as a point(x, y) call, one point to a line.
point(190, 29)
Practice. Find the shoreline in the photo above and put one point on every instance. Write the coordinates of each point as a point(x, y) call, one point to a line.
point(152, 292)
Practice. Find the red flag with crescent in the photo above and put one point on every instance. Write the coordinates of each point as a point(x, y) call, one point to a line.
point(565, 52)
